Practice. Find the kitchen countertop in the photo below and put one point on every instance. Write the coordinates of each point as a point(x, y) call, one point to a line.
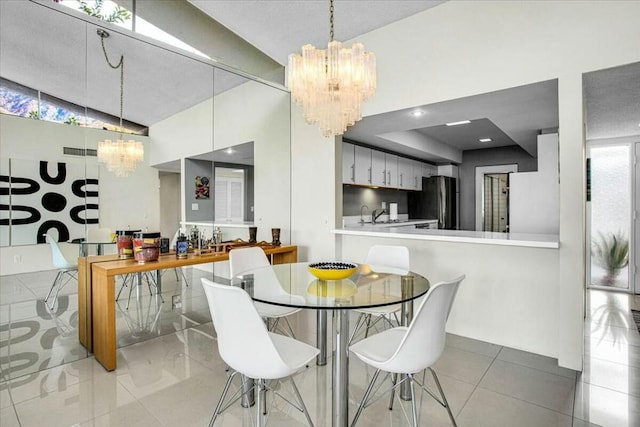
point(388, 224)
point(407, 230)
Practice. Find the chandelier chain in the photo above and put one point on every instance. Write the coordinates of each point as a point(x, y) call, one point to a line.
point(331, 20)
point(115, 67)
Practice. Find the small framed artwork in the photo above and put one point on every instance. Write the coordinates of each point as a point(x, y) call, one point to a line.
point(202, 187)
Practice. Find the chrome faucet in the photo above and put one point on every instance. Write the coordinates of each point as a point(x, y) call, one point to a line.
point(374, 217)
point(361, 217)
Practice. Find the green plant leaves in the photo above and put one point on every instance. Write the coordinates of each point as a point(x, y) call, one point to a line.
point(611, 251)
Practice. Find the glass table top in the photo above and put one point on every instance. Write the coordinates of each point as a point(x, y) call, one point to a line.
point(292, 285)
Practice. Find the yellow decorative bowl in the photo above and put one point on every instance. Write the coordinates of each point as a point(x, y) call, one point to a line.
point(332, 270)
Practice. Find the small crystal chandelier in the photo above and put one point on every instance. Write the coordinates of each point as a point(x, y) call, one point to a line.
point(331, 84)
point(120, 157)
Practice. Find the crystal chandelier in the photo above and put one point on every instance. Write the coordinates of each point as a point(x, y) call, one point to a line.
point(120, 157)
point(330, 85)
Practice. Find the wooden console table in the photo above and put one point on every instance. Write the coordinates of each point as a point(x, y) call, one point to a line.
point(96, 293)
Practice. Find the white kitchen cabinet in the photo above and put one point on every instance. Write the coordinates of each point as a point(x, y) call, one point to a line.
point(391, 166)
point(378, 169)
point(362, 165)
point(417, 175)
point(406, 179)
point(348, 163)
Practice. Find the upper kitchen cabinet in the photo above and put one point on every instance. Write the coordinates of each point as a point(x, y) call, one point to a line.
point(348, 163)
point(417, 175)
point(363, 165)
point(378, 169)
point(391, 166)
point(409, 174)
point(384, 169)
point(366, 166)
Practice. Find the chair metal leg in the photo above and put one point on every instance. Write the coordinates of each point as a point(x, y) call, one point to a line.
point(293, 335)
point(365, 397)
point(444, 399)
point(53, 285)
point(259, 404)
point(224, 394)
point(394, 378)
point(60, 285)
point(366, 332)
point(184, 277)
point(357, 327)
point(413, 400)
point(124, 284)
point(304, 407)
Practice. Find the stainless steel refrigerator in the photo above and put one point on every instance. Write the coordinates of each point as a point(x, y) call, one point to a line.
point(437, 200)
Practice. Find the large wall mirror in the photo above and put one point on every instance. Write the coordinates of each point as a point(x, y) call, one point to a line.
point(185, 112)
point(216, 149)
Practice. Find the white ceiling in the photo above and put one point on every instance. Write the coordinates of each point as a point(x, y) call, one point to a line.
point(159, 83)
point(279, 28)
point(517, 115)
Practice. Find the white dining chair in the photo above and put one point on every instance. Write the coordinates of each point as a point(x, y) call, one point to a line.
point(66, 266)
point(410, 350)
point(382, 259)
point(266, 284)
point(249, 349)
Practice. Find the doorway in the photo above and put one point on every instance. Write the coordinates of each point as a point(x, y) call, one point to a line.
point(611, 224)
point(483, 191)
point(495, 209)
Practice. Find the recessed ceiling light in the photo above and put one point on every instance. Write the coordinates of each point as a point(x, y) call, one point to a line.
point(462, 122)
point(229, 150)
point(417, 113)
point(485, 140)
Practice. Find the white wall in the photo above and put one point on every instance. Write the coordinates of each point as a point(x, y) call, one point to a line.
point(443, 54)
point(260, 113)
point(534, 197)
point(494, 301)
point(138, 206)
point(316, 190)
point(185, 134)
point(249, 112)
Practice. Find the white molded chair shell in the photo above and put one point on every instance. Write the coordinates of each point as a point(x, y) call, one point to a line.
point(413, 349)
point(60, 261)
point(243, 340)
point(409, 350)
point(385, 259)
point(388, 259)
point(266, 283)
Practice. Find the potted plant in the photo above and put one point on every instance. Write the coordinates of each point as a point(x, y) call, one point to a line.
point(611, 252)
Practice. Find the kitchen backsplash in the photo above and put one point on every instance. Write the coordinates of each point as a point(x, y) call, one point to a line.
point(354, 197)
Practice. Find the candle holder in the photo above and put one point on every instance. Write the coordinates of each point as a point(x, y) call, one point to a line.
point(275, 234)
point(253, 232)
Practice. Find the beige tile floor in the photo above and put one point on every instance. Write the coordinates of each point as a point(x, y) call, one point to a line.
point(169, 372)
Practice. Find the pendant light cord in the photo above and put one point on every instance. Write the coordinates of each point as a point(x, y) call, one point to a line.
point(331, 20)
point(103, 34)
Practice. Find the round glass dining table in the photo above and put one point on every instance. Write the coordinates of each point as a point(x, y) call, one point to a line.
point(293, 285)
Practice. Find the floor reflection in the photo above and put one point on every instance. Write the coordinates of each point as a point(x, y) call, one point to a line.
point(34, 337)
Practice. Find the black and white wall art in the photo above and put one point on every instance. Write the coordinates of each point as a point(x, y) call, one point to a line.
point(38, 196)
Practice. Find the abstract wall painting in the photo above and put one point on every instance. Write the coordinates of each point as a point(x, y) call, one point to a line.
point(46, 196)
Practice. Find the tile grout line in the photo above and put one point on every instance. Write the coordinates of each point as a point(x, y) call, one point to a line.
point(475, 387)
